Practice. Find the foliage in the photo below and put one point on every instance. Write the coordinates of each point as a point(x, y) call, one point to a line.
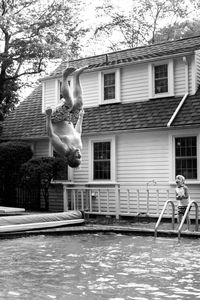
point(12, 156)
point(178, 30)
point(38, 172)
point(141, 23)
point(31, 33)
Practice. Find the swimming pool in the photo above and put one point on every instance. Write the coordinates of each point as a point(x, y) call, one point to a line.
point(99, 266)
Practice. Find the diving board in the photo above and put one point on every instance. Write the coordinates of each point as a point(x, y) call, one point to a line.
point(39, 221)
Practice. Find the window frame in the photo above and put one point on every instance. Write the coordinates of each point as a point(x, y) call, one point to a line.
point(172, 156)
point(112, 141)
point(170, 73)
point(101, 74)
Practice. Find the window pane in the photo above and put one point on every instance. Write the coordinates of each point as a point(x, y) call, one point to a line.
point(102, 160)
point(109, 93)
point(161, 79)
point(109, 79)
point(186, 157)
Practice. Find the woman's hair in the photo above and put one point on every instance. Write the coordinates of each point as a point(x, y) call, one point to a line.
point(72, 160)
point(181, 178)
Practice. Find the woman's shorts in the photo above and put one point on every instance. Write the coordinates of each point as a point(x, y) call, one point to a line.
point(182, 209)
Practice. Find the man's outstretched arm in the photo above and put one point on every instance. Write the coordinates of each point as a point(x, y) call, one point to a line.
point(78, 126)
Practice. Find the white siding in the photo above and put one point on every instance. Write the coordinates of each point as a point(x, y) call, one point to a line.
point(134, 83)
point(81, 175)
point(142, 157)
point(90, 86)
point(41, 148)
point(179, 77)
point(50, 92)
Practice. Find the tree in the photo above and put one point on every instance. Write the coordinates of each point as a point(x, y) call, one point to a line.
point(31, 33)
point(178, 30)
point(12, 156)
point(38, 172)
point(140, 24)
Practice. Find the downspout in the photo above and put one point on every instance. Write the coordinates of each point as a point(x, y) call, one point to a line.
point(186, 93)
point(177, 110)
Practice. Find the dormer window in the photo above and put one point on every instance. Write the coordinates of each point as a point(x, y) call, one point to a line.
point(59, 88)
point(109, 82)
point(161, 79)
point(109, 86)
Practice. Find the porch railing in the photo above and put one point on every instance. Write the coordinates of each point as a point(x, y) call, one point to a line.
point(116, 200)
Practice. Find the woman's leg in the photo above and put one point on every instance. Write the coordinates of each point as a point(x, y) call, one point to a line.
point(66, 92)
point(77, 92)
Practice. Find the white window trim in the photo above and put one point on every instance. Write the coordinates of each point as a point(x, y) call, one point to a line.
point(101, 86)
point(112, 140)
point(172, 156)
point(58, 81)
point(170, 79)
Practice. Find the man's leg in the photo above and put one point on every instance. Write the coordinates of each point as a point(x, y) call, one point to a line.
point(66, 93)
point(77, 92)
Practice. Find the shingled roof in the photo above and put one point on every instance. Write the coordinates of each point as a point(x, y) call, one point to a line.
point(27, 121)
point(133, 55)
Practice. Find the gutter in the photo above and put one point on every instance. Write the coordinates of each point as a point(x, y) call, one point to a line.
point(109, 65)
point(177, 110)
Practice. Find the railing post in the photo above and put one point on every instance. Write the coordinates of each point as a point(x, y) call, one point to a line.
point(117, 200)
point(128, 199)
point(138, 201)
point(82, 200)
point(157, 198)
point(147, 201)
point(65, 198)
point(107, 200)
point(99, 201)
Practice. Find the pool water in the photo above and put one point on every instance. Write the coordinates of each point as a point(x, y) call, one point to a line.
point(99, 266)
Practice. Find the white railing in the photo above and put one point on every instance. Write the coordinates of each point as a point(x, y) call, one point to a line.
point(162, 213)
point(115, 199)
point(186, 214)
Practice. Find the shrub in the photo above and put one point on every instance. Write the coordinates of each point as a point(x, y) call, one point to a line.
point(12, 156)
point(38, 173)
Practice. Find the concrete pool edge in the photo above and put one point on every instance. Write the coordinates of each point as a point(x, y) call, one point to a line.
point(106, 229)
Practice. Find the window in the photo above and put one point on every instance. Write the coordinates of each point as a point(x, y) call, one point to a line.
point(186, 157)
point(161, 79)
point(60, 96)
point(109, 82)
point(109, 86)
point(102, 163)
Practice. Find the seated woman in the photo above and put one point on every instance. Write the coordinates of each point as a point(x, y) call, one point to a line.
point(64, 136)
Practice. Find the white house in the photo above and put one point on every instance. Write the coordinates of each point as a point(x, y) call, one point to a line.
point(141, 128)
